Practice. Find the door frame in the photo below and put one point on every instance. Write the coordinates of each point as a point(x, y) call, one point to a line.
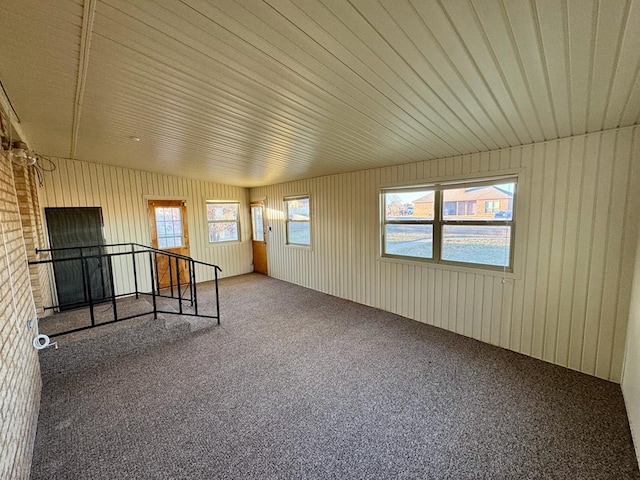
point(180, 275)
point(263, 203)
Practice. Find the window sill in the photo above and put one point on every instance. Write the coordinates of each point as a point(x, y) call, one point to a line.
point(451, 268)
point(299, 247)
point(224, 244)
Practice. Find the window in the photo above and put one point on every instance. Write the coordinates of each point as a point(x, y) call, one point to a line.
point(224, 222)
point(298, 220)
point(169, 226)
point(491, 206)
point(465, 223)
point(257, 223)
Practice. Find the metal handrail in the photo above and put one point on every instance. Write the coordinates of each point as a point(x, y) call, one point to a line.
point(155, 280)
point(129, 244)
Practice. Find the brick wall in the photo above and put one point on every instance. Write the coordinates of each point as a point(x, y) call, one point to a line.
point(20, 382)
point(33, 232)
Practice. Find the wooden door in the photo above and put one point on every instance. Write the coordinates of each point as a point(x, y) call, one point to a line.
point(259, 237)
point(168, 224)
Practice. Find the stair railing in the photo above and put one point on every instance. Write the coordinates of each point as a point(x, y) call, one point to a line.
point(177, 264)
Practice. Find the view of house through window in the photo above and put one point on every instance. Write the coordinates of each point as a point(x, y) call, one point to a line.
point(224, 223)
point(298, 220)
point(467, 223)
point(408, 223)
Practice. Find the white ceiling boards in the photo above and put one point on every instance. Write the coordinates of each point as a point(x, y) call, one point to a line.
point(254, 92)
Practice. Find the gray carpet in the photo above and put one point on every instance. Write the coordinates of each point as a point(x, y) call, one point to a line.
point(103, 312)
point(298, 384)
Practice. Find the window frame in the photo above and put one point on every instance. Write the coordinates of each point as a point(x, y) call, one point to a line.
point(286, 201)
point(439, 222)
point(209, 222)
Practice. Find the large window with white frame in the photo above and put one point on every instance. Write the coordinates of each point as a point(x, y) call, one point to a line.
point(463, 223)
point(224, 221)
point(298, 220)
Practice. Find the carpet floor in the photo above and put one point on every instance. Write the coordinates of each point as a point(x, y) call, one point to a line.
point(296, 384)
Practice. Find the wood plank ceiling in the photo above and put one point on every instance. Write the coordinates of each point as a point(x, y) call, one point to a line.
point(255, 92)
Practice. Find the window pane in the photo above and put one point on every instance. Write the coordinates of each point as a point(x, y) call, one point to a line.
point(487, 245)
point(417, 205)
point(299, 233)
point(257, 224)
point(223, 232)
point(169, 226)
point(222, 211)
point(298, 209)
point(169, 242)
point(486, 202)
point(409, 240)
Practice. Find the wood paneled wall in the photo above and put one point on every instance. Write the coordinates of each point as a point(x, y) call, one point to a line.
point(567, 301)
point(631, 369)
point(123, 193)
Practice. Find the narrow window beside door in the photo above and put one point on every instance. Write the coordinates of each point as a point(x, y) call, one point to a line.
point(257, 224)
point(259, 240)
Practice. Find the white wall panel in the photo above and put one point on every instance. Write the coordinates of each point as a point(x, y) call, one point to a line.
point(631, 372)
point(123, 193)
point(567, 301)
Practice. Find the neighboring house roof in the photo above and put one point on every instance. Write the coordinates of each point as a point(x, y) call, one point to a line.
point(428, 198)
point(465, 194)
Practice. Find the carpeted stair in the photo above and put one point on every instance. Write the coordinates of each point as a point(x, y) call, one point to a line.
point(96, 347)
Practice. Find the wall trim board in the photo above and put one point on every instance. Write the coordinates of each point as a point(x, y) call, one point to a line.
point(507, 276)
point(166, 197)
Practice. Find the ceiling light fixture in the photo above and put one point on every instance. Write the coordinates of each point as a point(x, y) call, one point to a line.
point(21, 155)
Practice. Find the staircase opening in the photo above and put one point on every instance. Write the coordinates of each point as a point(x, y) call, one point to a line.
point(143, 281)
